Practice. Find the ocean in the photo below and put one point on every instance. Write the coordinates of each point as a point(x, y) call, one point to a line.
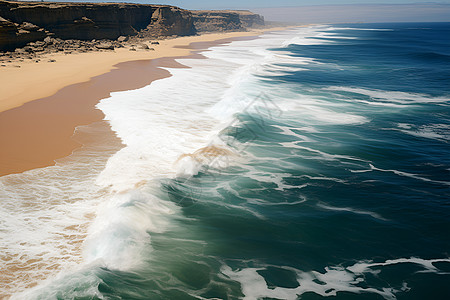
point(308, 163)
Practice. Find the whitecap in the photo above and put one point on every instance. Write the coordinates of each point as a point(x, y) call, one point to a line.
point(430, 131)
point(391, 96)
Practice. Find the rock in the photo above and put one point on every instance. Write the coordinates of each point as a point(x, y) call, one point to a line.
point(13, 35)
point(83, 20)
point(29, 27)
point(151, 49)
point(48, 40)
point(143, 46)
point(132, 49)
point(122, 39)
point(105, 46)
point(23, 32)
point(51, 60)
point(154, 43)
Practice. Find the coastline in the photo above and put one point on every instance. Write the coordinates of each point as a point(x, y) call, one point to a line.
point(42, 104)
point(32, 81)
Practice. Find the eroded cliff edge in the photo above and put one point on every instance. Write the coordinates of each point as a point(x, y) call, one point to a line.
point(225, 20)
point(25, 22)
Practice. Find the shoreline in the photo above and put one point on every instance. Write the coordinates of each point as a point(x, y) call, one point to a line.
point(33, 81)
point(36, 131)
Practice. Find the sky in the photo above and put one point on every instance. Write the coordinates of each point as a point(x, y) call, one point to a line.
point(320, 11)
point(351, 13)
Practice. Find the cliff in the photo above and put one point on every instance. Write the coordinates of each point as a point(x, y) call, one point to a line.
point(14, 35)
point(22, 22)
point(225, 20)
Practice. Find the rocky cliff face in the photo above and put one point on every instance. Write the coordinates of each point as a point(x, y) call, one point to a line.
point(168, 20)
point(225, 20)
point(86, 21)
point(12, 35)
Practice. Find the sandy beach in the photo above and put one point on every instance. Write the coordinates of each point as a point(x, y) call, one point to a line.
point(41, 104)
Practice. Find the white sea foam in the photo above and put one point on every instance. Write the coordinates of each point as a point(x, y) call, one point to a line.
point(322, 178)
point(395, 97)
point(317, 154)
point(427, 265)
point(83, 282)
point(315, 35)
point(352, 210)
point(431, 131)
point(268, 203)
point(312, 110)
point(289, 131)
point(328, 283)
point(319, 35)
point(363, 29)
point(122, 228)
point(272, 177)
point(401, 173)
point(45, 214)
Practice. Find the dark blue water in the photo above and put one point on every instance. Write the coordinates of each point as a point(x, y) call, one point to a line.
point(340, 185)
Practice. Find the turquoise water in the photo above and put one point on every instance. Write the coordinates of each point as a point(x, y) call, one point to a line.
point(328, 177)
